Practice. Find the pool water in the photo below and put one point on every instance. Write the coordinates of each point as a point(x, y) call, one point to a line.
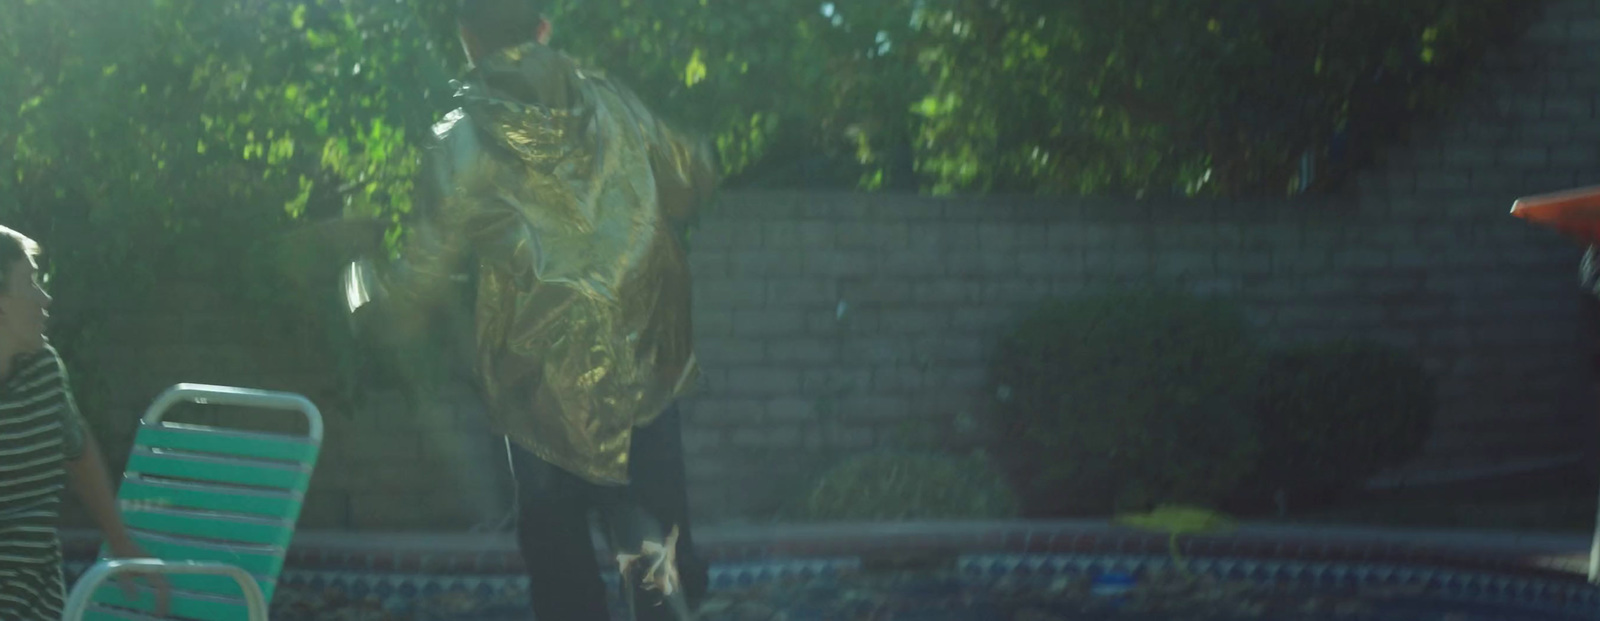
point(943, 595)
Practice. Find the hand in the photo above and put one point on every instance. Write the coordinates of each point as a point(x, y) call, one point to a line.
point(128, 549)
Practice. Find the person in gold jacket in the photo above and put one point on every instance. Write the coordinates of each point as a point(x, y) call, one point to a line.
point(554, 206)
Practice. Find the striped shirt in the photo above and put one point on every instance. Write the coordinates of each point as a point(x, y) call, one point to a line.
point(39, 430)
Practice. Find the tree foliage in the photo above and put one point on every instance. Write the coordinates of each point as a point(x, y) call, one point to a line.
point(1216, 97)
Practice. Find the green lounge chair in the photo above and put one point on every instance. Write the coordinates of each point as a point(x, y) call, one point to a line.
point(217, 508)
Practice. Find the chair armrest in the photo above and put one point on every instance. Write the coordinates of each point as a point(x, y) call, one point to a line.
point(78, 601)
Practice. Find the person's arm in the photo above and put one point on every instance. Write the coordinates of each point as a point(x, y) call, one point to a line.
point(684, 165)
point(459, 218)
point(86, 470)
point(685, 171)
point(87, 477)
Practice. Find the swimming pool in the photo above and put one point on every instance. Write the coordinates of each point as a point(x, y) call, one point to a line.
point(989, 571)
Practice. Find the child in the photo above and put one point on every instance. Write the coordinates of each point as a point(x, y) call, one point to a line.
point(43, 447)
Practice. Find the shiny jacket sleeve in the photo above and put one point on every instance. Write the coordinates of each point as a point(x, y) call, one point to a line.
point(685, 167)
point(454, 228)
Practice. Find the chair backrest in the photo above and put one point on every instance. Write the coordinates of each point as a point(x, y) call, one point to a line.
point(204, 493)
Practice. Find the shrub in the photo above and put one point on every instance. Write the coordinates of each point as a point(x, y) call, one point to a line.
point(890, 486)
point(1332, 415)
point(1125, 400)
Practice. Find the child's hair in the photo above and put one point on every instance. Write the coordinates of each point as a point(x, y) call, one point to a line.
point(499, 24)
point(14, 247)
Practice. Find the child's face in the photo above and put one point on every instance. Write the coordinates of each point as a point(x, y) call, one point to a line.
point(24, 308)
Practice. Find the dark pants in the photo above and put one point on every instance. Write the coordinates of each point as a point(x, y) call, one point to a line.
point(553, 527)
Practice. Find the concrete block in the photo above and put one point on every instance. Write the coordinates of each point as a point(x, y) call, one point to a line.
point(1266, 237)
point(840, 263)
point(766, 262)
point(1184, 263)
point(817, 233)
point(1331, 285)
point(873, 349)
point(1301, 261)
point(946, 292)
point(997, 237)
point(718, 234)
point(1575, 156)
point(807, 351)
point(1562, 10)
point(914, 262)
point(1014, 291)
point(1444, 181)
point(712, 322)
point(802, 292)
point(1569, 106)
point(782, 235)
point(1584, 33)
point(857, 235)
point(773, 381)
point(1365, 258)
point(1034, 237)
point(1049, 263)
point(1064, 234)
point(1243, 262)
point(716, 412)
point(703, 445)
point(984, 319)
point(984, 265)
point(1547, 31)
point(730, 293)
point(729, 351)
point(1524, 156)
point(835, 382)
point(768, 323)
point(873, 409)
point(791, 410)
point(1549, 180)
point(767, 437)
point(713, 263)
point(916, 321)
point(1492, 180)
point(897, 379)
point(1469, 155)
point(943, 236)
point(878, 290)
point(1217, 286)
point(845, 437)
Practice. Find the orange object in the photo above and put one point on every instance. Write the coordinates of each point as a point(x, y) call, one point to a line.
point(1572, 212)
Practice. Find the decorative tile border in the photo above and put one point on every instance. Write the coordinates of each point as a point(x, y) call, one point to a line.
point(1488, 567)
point(1432, 582)
point(1531, 594)
point(729, 576)
point(724, 577)
point(360, 585)
point(490, 555)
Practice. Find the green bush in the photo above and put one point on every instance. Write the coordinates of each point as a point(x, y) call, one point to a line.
point(888, 486)
point(1125, 400)
point(1332, 415)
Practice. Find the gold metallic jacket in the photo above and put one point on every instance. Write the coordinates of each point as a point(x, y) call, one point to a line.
point(563, 197)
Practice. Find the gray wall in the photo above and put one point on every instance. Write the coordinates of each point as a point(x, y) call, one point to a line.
point(928, 286)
